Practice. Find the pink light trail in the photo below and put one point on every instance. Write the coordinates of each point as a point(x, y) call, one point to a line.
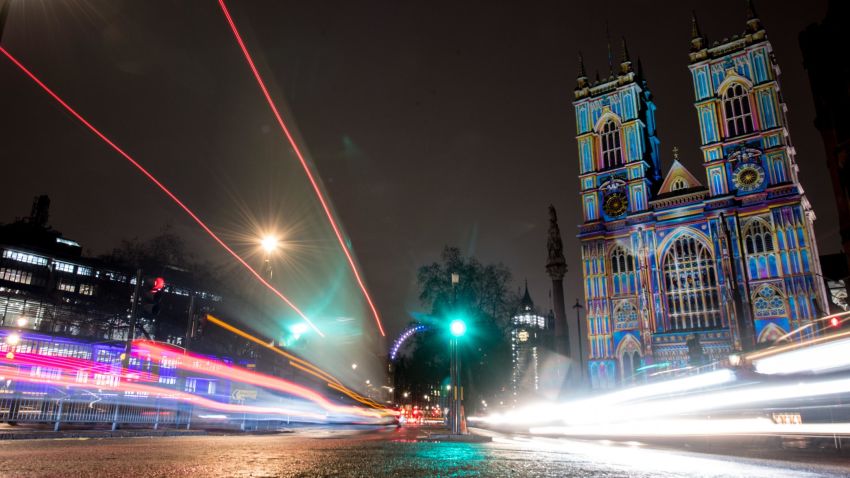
point(161, 186)
point(304, 164)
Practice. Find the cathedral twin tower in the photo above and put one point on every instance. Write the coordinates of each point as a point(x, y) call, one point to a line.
point(676, 271)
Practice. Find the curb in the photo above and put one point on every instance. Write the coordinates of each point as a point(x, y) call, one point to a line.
point(35, 435)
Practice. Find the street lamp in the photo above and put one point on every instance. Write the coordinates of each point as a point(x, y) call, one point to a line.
point(269, 244)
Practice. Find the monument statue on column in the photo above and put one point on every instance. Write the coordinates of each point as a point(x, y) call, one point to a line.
point(566, 343)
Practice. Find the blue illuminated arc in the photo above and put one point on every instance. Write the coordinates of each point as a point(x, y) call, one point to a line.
point(408, 333)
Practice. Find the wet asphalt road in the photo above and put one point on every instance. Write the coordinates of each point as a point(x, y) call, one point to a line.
point(382, 453)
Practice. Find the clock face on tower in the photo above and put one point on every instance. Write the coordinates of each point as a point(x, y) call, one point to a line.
point(615, 204)
point(748, 177)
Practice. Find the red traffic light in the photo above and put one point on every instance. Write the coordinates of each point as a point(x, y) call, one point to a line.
point(833, 322)
point(158, 284)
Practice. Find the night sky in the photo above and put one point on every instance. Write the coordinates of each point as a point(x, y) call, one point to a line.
point(430, 123)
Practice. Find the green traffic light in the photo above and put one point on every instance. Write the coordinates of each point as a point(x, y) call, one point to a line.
point(457, 327)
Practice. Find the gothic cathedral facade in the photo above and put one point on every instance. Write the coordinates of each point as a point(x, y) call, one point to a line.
point(677, 272)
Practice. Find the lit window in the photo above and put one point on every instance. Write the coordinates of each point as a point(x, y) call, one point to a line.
point(739, 117)
point(84, 271)
point(65, 286)
point(679, 184)
point(758, 242)
point(86, 289)
point(611, 153)
point(25, 258)
point(15, 275)
point(623, 272)
point(693, 301)
point(63, 267)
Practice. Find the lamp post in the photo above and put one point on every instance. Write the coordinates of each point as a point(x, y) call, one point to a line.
point(457, 328)
point(580, 355)
point(269, 244)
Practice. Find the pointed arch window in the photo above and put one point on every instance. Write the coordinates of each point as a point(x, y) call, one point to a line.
point(623, 277)
point(690, 276)
point(738, 113)
point(612, 153)
point(758, 242)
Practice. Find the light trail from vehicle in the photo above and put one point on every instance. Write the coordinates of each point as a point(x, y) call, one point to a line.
point(694, 427)
point(296, 362)
point(12, 373)
point(705, 404)
point(319, 194)
point(43, 367)
point(200, 364)
point(160, 185)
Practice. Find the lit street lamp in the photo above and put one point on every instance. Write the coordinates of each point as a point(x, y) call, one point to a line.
point(269, 244)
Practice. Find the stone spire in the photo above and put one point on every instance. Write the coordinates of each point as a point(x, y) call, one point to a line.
point(626, 61)
point(753, 22)
point(581, 80)
point(526, 305)
point(697, 40)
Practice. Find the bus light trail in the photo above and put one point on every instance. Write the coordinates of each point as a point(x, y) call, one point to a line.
point(200, 364)
point(161, 186)
point(11, 373)
point(304, 164)
point(296, 362)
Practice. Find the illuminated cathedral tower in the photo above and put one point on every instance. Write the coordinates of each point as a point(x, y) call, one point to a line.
point(677, 273)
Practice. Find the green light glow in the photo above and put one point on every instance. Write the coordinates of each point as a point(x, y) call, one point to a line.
point(457, 327)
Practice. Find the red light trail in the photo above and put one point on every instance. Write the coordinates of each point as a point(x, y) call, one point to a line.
point(304, 164)
point(161, 186)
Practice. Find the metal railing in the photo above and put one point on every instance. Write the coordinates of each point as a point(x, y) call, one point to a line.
point(19, 409)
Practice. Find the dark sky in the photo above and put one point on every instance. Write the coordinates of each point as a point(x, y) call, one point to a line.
point(430, 123)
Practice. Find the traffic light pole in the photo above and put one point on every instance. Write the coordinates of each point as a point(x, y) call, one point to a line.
point(134, 304)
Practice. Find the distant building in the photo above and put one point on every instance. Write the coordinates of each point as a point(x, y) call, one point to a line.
point(47, 285)
point(826, 57)
point(679, 271)
point(528, 331)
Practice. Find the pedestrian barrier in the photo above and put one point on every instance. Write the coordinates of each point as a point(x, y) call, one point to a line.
point(18, 409)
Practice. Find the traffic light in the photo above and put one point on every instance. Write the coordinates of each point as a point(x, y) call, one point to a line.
point(457, 327)
point(153, 288)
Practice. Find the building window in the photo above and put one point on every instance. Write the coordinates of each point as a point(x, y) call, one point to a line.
point(15, 275)
point(679, 184)
point(692, 296)
point(25, 258)
point(84, 271)
point(612, 154)
point(63, 267)
point(758, 242)
point(86, 289)
point(65, 286)
point(739, 117)
point(623, 272)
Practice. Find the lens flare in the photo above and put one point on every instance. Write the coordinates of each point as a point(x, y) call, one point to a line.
point(319, 194)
